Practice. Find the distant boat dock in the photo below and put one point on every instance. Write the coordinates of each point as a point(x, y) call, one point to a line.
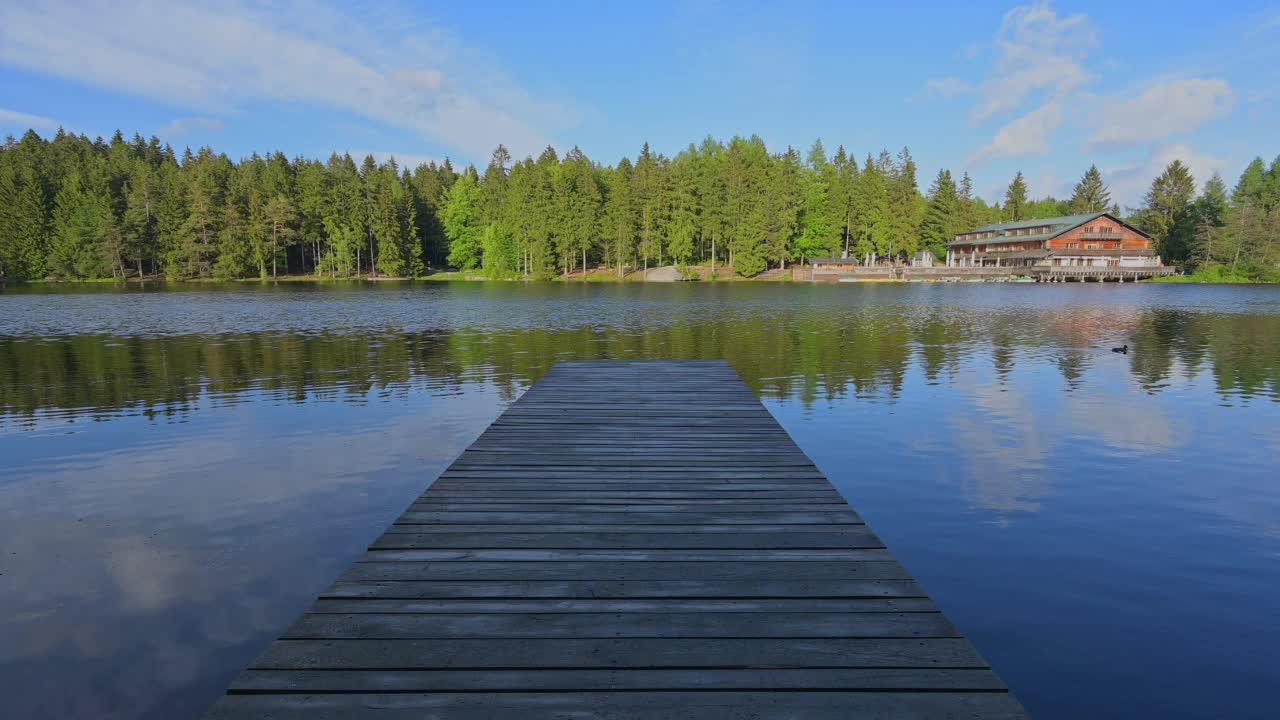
point(628, 540)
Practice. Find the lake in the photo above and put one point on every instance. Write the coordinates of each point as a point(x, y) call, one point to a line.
point(183, 469)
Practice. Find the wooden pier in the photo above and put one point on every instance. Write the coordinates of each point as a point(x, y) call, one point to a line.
point(628, 540)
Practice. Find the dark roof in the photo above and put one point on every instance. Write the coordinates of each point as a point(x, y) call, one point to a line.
point(1056, 225)
point(1064, 221)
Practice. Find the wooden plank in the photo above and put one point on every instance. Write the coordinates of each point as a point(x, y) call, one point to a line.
point(629, 539)
point(419, 589)
point(472, 653)
point(678, 705)
point(622, 555)
point(654, 518)
point(755, 571)
point(554, 528)
point(382, 681)
point(402, 537)
point(389, 626)
point(598, 605)
point(444, 505)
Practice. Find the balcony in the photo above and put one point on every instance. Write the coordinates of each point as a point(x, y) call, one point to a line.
point(1102, 235)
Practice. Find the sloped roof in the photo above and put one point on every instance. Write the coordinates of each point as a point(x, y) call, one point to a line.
point(1066, 221)
point(1056, 225)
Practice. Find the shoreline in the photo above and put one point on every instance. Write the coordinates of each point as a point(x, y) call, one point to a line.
point(595, 278)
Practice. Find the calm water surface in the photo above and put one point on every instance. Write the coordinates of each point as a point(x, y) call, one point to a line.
point(182, 471)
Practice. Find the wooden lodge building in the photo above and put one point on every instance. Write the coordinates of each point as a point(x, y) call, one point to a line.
point(1097, 246)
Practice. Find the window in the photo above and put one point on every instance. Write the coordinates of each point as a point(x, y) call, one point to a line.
point(1073, 245)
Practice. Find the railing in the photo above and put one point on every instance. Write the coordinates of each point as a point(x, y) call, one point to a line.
point(1102, 235)
point(1086, 271)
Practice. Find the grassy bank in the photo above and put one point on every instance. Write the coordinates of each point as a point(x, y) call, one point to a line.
point(1222, 275)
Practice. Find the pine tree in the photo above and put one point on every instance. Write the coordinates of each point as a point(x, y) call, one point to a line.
point(1015, 199)
point(75, 221)
point(1252, 186)
point(712, 199)
point(819, 230)
point(138, 224)
point(846, 169)
point(11, 265)
point(1166, 212)
point(584, 207)
point(281, 217)
point(784, 204)
point(1210, 219)
point(969, 210)
point(1090, 194)
point(871, 212)
point(943, 219)
point(905, 210)
point(620, 215)
point(682, 215)
point(647, 193)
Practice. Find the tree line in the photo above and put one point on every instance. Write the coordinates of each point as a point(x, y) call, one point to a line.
point(75, 208)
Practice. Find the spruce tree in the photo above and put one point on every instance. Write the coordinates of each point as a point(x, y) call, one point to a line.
point(819, 233)
point(905, 210)
point(1210, 218)
point(1252, 186)
point(943, 219)
point(281, 217)
point(1015, 199)
point(620, 215)
point(1166, 212)
point(682, 216)
point(785, 202)
point(871, 212)
point(1090, 194)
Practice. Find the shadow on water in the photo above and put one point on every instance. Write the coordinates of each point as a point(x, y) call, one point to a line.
point(186, 467)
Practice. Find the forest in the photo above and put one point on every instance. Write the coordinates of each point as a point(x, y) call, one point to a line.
point(72, 208)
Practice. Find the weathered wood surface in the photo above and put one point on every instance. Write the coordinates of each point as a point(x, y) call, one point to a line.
point(628, 540)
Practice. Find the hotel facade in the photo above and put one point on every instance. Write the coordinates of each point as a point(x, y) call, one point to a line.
point(1096, 240)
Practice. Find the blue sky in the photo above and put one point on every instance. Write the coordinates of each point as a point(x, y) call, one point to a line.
point(1046, 88)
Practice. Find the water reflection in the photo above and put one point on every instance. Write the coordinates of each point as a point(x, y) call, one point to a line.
point(183, 470)
point(805, 351)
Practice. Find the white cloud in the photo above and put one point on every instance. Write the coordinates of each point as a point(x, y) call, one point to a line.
point(235, 57)
point(182, 126)
point(1128, 183)
point(1036, 51)
point(14, 119)
point(1028, 135)
point(1039, 56)
point(1164, 109)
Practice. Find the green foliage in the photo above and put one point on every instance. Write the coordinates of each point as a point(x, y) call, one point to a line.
point(1222, 274)
point(462, 224)
point(1167, 215)
point(944, 217)
point(1015, 199)
point(501, 254)
point(1090, 194)
point(77, 208)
